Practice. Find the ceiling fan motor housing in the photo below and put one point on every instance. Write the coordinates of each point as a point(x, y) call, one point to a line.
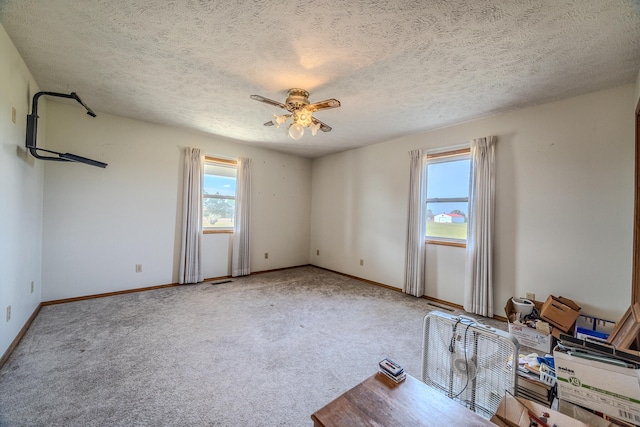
point(297, 99)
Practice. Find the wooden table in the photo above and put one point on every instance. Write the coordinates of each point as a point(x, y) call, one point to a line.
point(378, 401)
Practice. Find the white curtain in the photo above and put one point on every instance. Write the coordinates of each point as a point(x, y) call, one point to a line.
point(478, 288)
point(414, 275)
point(190, 265)
point(240, 265)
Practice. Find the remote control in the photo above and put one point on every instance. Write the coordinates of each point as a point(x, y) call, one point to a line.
point(391, 367)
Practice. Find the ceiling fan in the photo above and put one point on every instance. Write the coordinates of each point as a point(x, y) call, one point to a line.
point(300, 111)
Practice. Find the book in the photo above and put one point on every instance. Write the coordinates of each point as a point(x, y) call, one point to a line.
point(396, 379)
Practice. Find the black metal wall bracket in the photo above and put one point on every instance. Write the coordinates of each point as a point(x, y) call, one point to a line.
point(32, 133)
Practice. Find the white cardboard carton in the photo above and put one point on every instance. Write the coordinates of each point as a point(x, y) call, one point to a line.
point(526, 336)
point(610, 389)
point(530, 337)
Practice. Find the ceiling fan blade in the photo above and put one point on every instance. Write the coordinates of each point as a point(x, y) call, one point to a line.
point(269, 123)
point(323, 126)
point(323, 105)
point(268, 101)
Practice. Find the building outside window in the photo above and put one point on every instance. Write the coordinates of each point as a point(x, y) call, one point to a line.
point(448, 197)
point(218, 195)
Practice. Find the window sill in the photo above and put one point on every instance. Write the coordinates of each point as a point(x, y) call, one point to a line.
point(445, 243)
point(217, 231)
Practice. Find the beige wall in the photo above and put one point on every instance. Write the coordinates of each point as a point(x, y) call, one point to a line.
point(564, 205)
point(100, 223)
point(20, 198)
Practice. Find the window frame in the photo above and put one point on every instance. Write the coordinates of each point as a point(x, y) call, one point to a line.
point(224, 163)
point(459, 153)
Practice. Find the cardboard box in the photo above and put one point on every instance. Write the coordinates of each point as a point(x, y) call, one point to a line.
point(560, 312)
point(595, 419)
point(602, 387)
point(527, 336)
point(518, 412)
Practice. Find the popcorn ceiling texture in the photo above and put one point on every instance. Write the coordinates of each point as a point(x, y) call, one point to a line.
point(398, 67)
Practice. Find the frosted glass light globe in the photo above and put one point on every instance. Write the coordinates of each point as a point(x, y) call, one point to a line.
point(296, 131)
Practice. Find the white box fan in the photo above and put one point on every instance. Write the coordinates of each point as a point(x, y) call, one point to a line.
point(471, 363)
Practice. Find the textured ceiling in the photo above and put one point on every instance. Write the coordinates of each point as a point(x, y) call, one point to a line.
point(398, 67)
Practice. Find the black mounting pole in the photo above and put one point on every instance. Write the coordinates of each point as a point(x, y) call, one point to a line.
point(32, 132)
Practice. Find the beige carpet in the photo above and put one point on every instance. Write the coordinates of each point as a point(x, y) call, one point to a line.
point(264, 350)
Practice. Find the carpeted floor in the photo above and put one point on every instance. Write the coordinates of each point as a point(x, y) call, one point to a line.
point(264, 350)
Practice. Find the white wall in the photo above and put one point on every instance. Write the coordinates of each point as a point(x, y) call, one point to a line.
point(21, 198)
point(99, 223)
point(571, 160)
point(359, 209)
point(637, 98)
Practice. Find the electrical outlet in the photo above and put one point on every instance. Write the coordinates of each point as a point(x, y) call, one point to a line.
point(531, 296)
point(32, 284)
point(317, 251)
point(266, 255)
point(13, 114)
point(361, 262)
point(8, 313)
point(138, 268)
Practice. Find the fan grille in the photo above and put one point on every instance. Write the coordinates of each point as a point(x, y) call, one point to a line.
point(468, 362)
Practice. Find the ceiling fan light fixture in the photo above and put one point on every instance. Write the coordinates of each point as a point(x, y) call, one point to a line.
point(303, 117)
point(278, 120)
point(314, 128)
point(300, 112)
point(296, 130)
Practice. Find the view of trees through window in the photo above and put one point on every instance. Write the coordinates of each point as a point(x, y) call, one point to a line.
point(448, 197)
point(218, 195)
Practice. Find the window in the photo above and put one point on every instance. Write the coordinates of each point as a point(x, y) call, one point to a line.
point(448, 197)
point(218, 195)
